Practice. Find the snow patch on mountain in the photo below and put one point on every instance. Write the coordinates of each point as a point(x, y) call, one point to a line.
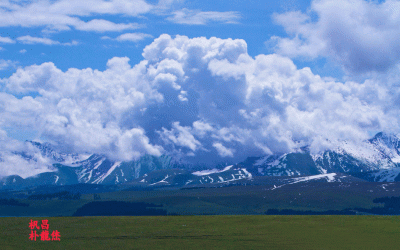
point(247, 173)
point(270, 160)
point(103, 176)
point(330, 178)
point(386, 175)
point(96, 166)
point(211, 171)
point(162, 181)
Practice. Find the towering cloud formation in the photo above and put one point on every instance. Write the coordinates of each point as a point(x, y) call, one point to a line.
point(204, 100)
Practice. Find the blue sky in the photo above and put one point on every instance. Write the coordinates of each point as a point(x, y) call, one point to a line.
point(252, 22)
point(202, 80)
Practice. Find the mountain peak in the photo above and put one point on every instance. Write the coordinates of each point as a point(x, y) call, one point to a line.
point(389, 140)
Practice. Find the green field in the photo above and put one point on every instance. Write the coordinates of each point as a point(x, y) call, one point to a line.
point(208, 232)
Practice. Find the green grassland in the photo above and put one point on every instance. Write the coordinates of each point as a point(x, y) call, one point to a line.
point(208, 232)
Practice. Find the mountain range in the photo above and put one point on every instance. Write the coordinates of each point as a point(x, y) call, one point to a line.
point(377, 160)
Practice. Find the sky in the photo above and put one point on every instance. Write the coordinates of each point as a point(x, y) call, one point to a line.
point(204, 81)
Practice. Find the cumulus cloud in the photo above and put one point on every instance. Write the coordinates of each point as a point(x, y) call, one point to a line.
point(81, 108)
point(361, 35)
point(204, 100)
point(196, 17)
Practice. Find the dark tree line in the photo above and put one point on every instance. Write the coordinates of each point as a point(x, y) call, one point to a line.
point(391, 206)
point(392, 203)
point(119, 208)
point(65, 195)
point(12, 202)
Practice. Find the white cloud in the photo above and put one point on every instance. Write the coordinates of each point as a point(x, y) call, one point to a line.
point(295, 105)
point(130, 37)
point(201, 128)
point(40, 40)
point(100, 25)
point(90, 7)
point(4, 64)
point(362, 35)
point(223, 151)
point(64, 14)
point(33, 40)
point(166, 4)
point(181, 136)
point(22, 51)
point(14, 164)
point(6, 40)
point(182, 97)
point(196, 17)
point(81, 108)
point(267, 102)
point(202, 97)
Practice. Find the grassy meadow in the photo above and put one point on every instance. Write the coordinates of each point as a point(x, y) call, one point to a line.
point(208, 232)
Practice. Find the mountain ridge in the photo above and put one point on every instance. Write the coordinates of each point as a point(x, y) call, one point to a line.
point(378, 160)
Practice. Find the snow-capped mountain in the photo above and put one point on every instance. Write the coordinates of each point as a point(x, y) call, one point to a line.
point(377, 159)
point(379, 155)
point(98, 169)
point(47, 150)
point(182, 177)
point(92, 169)
point(388, 146)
